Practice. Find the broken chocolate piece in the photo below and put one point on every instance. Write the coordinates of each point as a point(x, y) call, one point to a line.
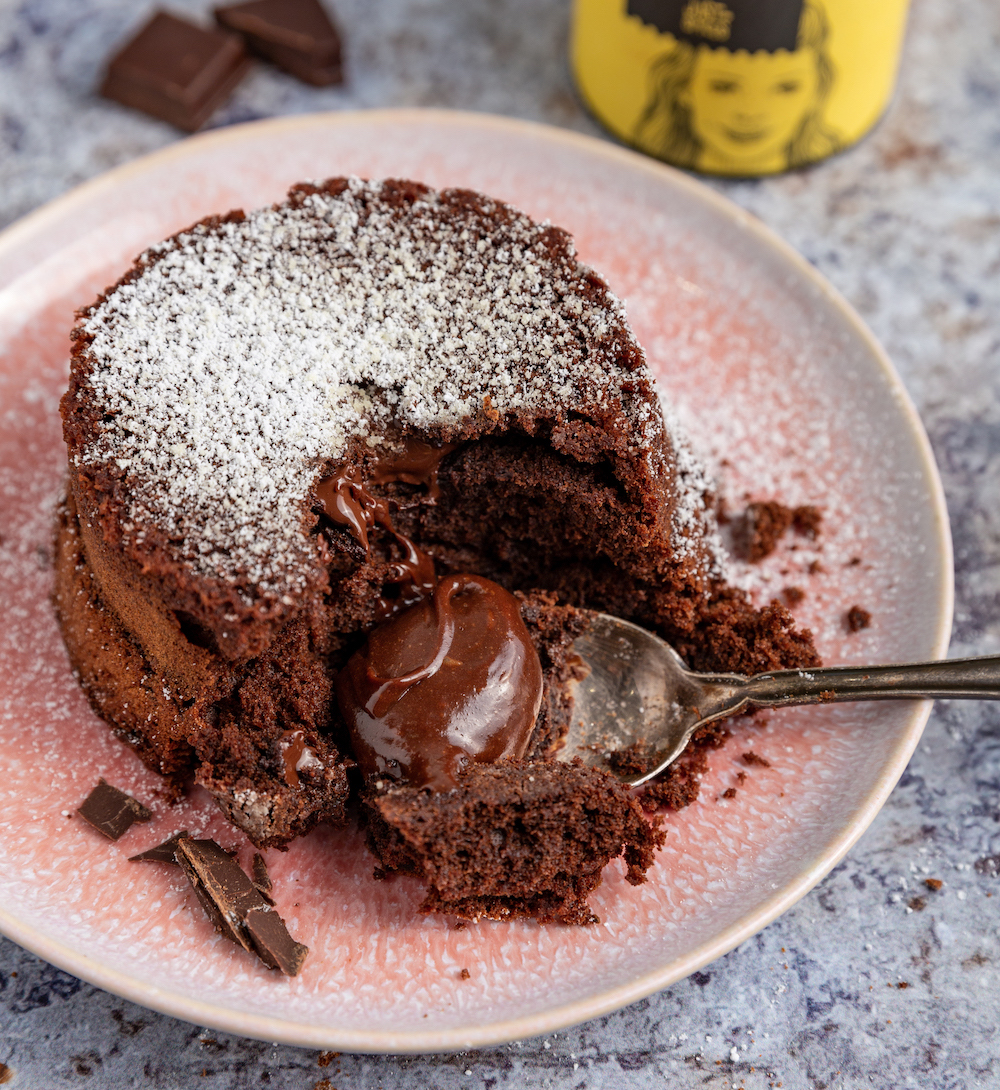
point(272, 943)
point(161, 853)
point(176, 71)
point(260, 878)
point(226, 893)
point(296, 35)
point(111, 811)
point(236, 907)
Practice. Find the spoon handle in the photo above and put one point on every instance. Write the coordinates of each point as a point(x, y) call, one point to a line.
point(949, 679)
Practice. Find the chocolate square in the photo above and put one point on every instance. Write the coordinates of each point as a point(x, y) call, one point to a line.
point(177, 71)
point(111, 811)
point(296, 35)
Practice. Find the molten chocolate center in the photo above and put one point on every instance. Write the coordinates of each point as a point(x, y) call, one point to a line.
point(345, 500)
point(451, 680)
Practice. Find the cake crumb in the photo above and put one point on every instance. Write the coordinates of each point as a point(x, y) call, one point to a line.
point(729, 793)
point(857, 619)
point(761, 528)
point(465, 974)
point(933, 883)
point(917, 904)
point(807, 520)
point(324, 1059)
point(792, 596)
point(752, 758)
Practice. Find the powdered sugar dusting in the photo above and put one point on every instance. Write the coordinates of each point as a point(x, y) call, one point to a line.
point(246, 354)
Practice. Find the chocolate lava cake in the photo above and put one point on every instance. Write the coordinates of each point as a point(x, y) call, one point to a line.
point(347, 469)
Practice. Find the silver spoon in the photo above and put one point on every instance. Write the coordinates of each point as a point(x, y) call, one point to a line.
point(638, 692)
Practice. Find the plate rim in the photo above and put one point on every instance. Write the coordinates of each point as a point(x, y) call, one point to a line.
point(487, 1033)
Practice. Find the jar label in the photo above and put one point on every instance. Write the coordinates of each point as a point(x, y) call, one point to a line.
point(738, 87)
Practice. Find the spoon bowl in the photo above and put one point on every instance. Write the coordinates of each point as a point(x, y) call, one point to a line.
point(638, 705)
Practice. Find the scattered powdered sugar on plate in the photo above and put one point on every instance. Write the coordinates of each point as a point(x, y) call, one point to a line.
point(248, 352)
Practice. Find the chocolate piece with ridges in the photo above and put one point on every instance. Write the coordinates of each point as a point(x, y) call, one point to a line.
point(236, 907)
point(161, 853)
point(176, 71)
point(296, 35)
point(111, 811)
point(272, 943)
point(260, 878)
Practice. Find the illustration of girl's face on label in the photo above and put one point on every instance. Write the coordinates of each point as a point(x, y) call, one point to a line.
point(746, 108)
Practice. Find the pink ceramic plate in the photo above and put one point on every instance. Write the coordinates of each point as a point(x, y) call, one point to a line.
point(785, 391)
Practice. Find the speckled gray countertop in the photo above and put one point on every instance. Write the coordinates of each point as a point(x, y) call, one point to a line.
point(872, 980)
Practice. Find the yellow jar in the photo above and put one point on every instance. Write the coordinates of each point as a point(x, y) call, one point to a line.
point(737, 87)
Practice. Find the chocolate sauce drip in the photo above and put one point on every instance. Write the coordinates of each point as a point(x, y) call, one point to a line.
point(293, 745)
point(345, 500)
point(417, 463)
point(451, 680)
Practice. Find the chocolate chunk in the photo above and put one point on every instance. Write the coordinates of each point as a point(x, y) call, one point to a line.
point(296, 35)
point(272, 943)
point(161, 853)
point(176, 71)
point(111, 811)
point(236, 907)
point(260, 878)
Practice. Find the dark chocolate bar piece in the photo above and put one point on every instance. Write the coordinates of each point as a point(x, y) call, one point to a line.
point(161, 853)
point(260, 878)
point(111, 811)
point(296, 35)
point(236, 907)
point(274, 946)
point(177, 71)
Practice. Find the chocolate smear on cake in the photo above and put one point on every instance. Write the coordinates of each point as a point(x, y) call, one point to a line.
point(236, 907)
point(452, 680)
point(161, 853)
point(111, 811)
point(418, 463)
point(344, 498)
